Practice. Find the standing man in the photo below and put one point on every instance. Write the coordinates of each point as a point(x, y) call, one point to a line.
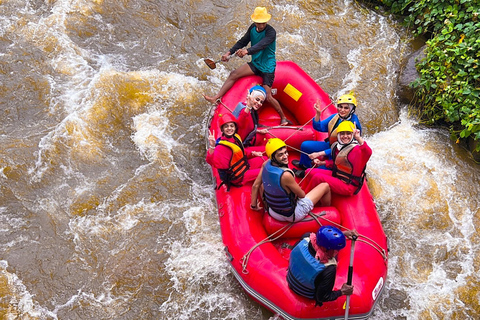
point(283, 197)
point(262, 37)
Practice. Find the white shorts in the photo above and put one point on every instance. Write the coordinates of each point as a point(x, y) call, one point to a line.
point(304, 206)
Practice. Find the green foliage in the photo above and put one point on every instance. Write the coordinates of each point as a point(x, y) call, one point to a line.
point(448, 90)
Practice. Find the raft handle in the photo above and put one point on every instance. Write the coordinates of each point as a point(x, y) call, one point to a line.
point(228, 254)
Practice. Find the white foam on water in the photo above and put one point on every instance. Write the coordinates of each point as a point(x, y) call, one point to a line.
point(149, 129)
point(10, 228)
point(21, 300)
point(382, 44)
point(423, 207)
point(201, 264)
point(217, 76)
point(286, 12)
point(351, 80)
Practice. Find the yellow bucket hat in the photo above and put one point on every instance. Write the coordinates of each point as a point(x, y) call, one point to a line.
point(260, 15)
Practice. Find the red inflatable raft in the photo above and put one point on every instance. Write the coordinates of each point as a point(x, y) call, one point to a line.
point(258, 247)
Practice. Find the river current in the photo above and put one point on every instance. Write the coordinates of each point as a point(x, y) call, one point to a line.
point(107, 207)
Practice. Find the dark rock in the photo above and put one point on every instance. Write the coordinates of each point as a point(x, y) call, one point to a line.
point(472, 144)
point(408, 73)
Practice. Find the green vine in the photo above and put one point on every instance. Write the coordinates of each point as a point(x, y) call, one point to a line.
point(448, 89)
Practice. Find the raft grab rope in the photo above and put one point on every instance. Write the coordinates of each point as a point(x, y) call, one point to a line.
point(273, 237)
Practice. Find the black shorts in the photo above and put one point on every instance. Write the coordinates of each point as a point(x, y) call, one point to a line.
point(266, 77)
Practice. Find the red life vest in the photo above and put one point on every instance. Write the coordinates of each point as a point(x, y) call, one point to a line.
point(343, 169)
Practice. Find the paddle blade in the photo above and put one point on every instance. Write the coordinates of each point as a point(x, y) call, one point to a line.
point(210, 63)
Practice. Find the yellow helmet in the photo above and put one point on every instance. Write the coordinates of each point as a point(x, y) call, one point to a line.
point(273, 145)
point(347, 98)
point(345, 126)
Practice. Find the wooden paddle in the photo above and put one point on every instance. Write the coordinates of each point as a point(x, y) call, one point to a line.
point(213, 64)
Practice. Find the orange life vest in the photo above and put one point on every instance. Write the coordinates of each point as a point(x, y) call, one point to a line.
point(332, 129)
point(238, 163)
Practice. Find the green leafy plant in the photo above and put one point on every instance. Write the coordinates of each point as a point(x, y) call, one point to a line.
point(448, 89)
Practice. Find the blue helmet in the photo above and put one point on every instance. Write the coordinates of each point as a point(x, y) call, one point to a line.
point(258, 88)
point(330, 238)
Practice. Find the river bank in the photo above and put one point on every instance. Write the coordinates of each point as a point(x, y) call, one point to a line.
point(445, 92)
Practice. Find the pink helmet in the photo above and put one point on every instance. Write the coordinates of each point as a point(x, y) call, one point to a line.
point(226, 118)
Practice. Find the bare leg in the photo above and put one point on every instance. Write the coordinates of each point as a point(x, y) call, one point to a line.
point(242, 71)
point(274, 103)
point(320, 193)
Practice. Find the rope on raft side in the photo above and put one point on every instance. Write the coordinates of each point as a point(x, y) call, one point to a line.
point(298, 129)
point(273, 237)
point(301, 128)
point(223, 104)
point(372, 243)
point(269, 238)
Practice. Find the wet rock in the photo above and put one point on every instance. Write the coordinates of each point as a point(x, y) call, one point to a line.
point(472, 144)
point(397, 299)
point(406, 94)
point(408, 73)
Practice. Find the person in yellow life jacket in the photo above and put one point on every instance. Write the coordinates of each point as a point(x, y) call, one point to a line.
point(350, 155)
point(283, 197)
point(346, 106)
point(235, 166)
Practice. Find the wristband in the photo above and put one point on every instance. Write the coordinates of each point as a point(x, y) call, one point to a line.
point(253, 207)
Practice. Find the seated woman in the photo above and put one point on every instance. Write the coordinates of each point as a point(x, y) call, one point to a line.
point(247, 115)
point(227, 154)
point(346, 106)
point(350, 155)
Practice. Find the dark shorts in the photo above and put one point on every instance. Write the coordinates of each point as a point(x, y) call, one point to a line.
point(267, 77)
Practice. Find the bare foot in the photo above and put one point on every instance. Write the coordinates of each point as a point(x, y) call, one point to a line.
point(285, 122)
point(210, 99)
